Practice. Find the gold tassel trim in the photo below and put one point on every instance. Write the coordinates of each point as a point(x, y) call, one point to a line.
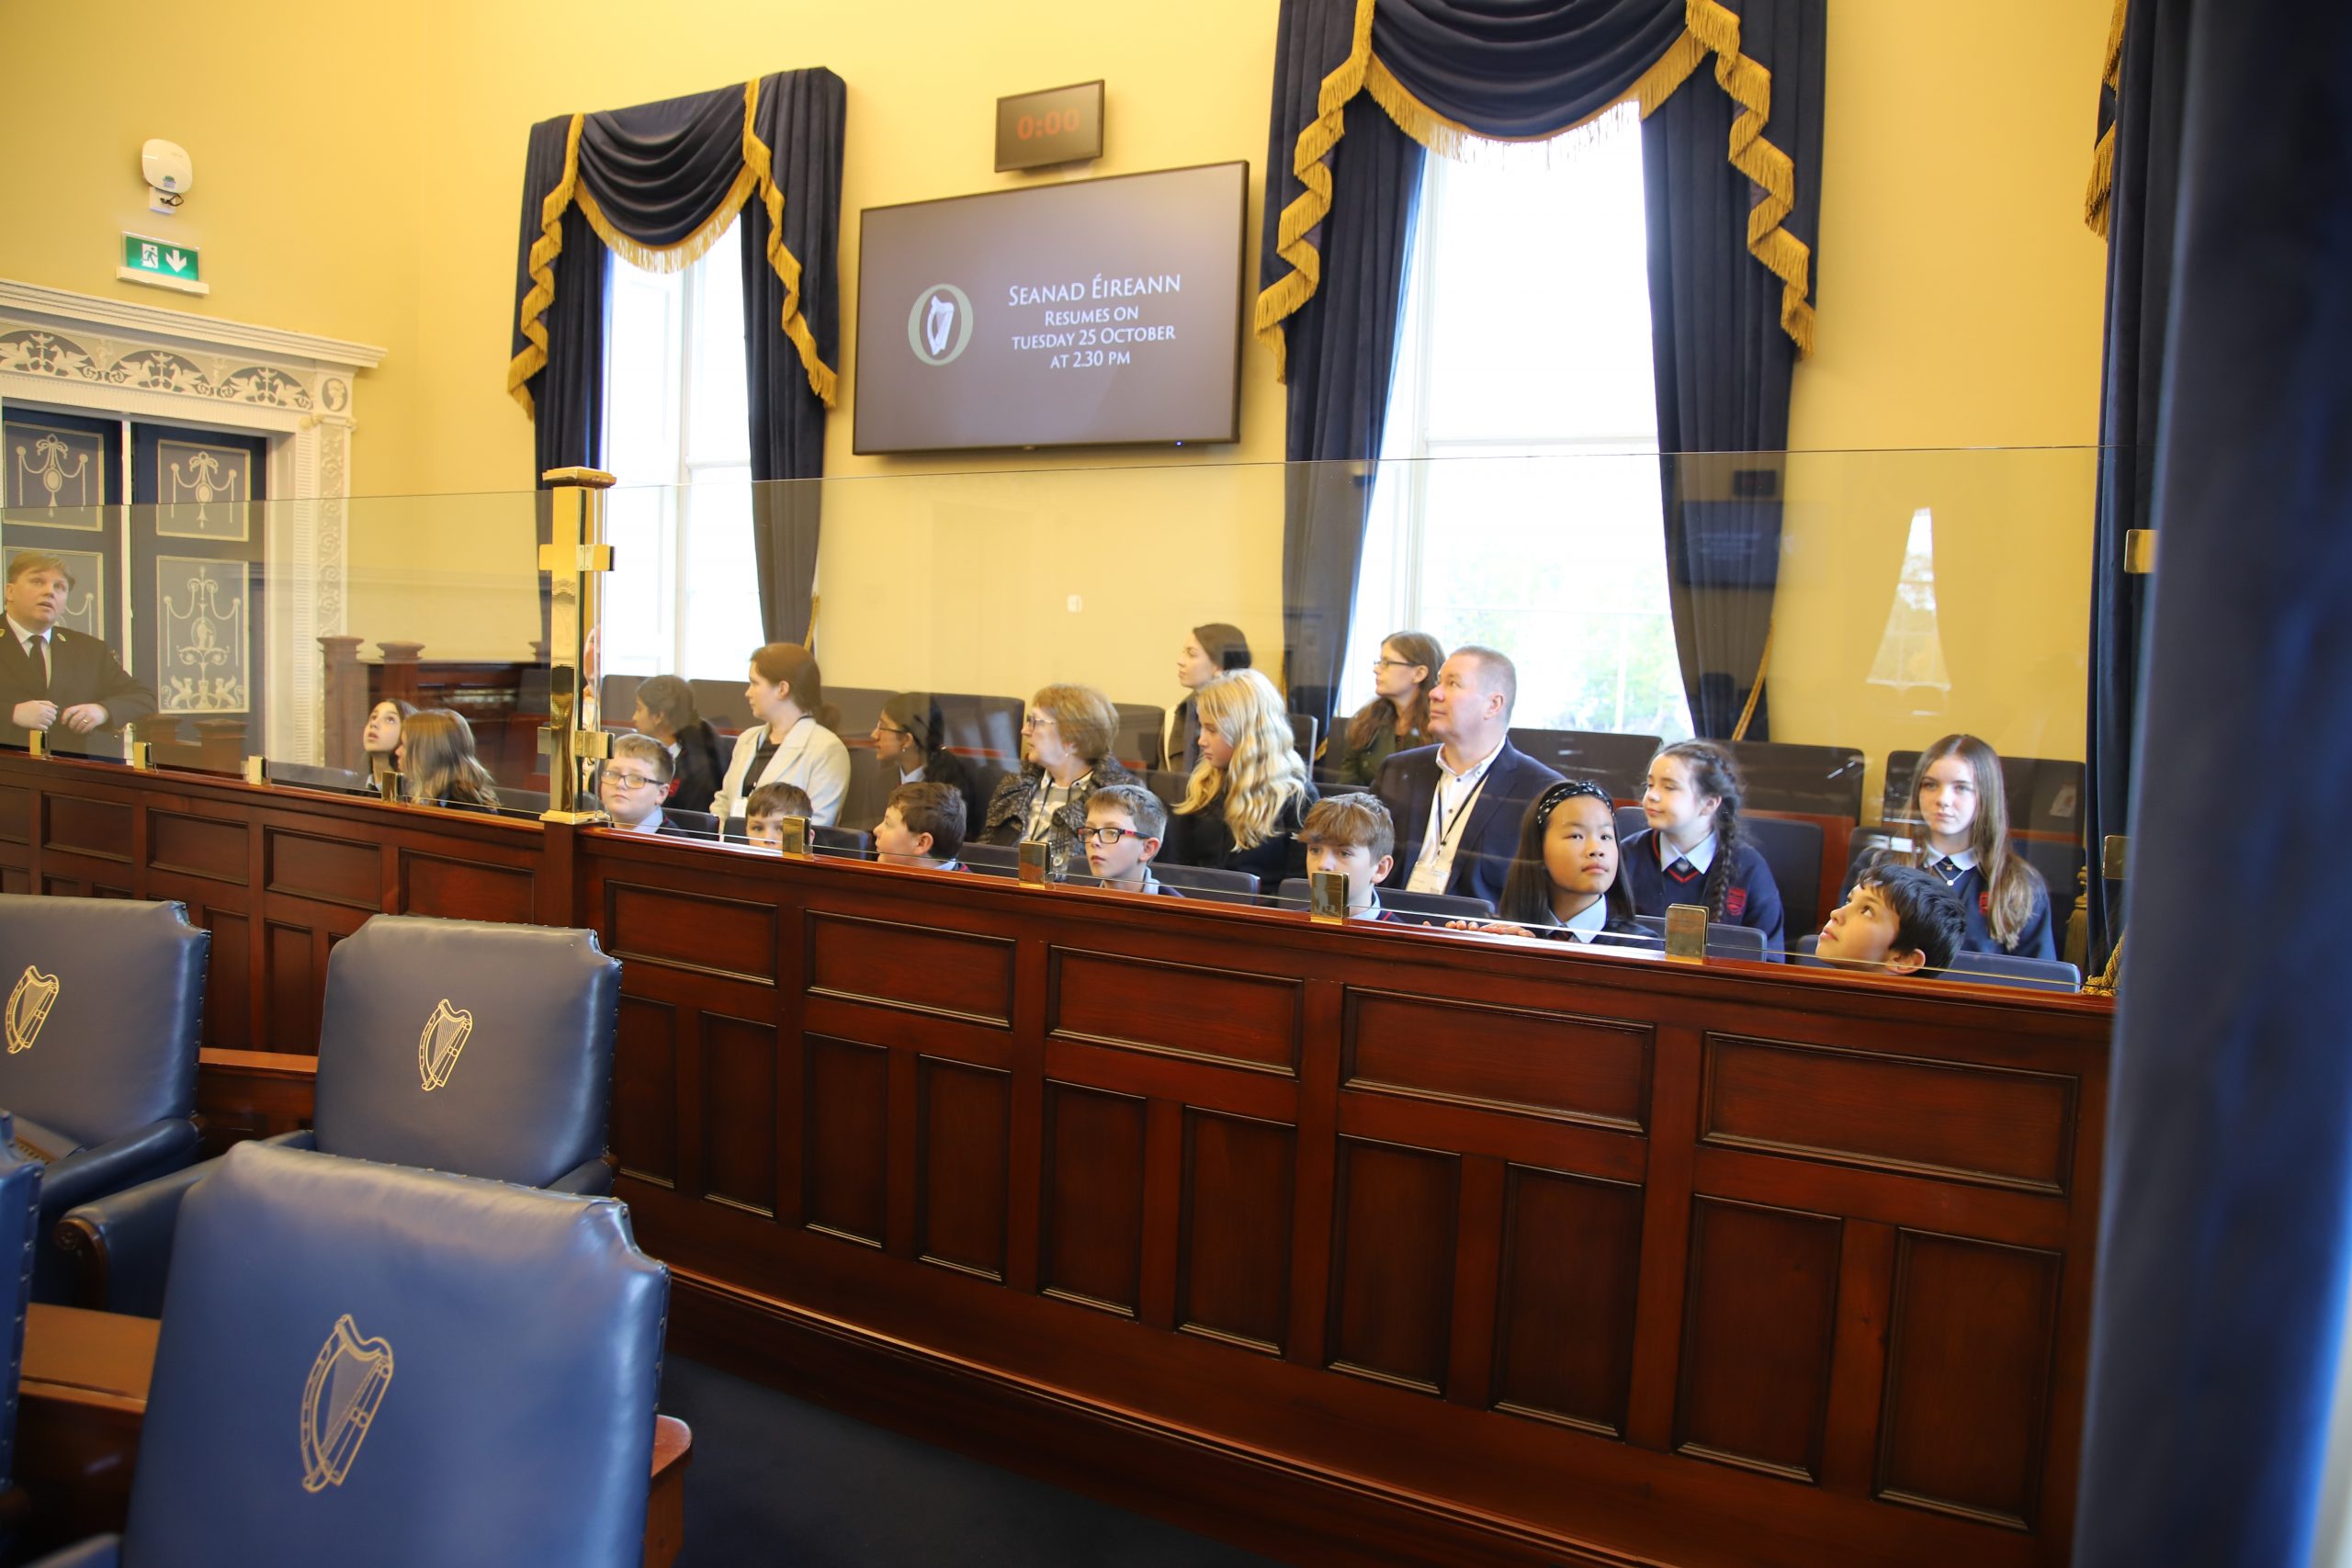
point(1708, 27)
point(544, 250)
point(760, 164)
point(756, 175)
point(1755, 692)
point(2102, 185)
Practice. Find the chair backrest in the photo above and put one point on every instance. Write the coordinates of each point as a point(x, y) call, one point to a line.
point(1618, 763)
point(859, 708)
point(1304, 731)
point(700, 823)
point(19, 1233)
point(1441, 906)
point(992, 860)
point(515, 800)
point(1211, 882)
point(2008, 969)
point(104, 1012)
point(616, 700)
point(465, 1046)
point(1791, 850)
point(472, 1370)
point(1820, 780)
point(1143, 735)
point(2043, 794)
point(723, 704)
point(309, 775)
point(982, 725)
point(848, 842)
point(1722, 940)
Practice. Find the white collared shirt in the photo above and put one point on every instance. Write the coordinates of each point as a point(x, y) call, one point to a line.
point(1964, 861)
point(1371, 911)
point(26, 636)
point(1590, 921)
point(653, 823)
point(1700, 858)
point(1457, 793)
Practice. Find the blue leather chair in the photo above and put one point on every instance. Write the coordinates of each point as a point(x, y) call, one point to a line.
point(19, 1228)
point(104, 1014)
point(457, 1046)
point(471, 1369)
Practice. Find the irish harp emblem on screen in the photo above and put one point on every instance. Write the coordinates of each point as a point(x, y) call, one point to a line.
point(346, 1383)
point(444, 1036)
point(939, 328)
point(29, 1006)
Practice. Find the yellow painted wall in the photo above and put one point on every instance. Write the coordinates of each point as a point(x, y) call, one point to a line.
point(1959, 306)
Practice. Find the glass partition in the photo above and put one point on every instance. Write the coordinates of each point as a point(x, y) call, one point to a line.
point(1025, 635)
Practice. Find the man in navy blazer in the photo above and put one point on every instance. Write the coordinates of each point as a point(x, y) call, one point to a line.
point(1458, 804)
point(54, 679)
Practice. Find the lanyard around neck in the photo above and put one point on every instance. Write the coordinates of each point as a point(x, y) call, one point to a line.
point(1448, 825)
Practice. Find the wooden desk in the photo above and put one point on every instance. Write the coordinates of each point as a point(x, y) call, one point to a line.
point(84, 1396)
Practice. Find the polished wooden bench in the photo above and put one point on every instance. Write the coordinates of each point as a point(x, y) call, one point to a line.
point(1347, 1243)
point(84, 1397)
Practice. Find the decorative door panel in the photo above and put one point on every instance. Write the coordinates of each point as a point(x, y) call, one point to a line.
point(61, 493)
point(196, 588)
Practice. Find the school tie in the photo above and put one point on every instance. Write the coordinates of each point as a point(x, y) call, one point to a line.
point(37, 650)
point(1947, 868)
point(1682, 869)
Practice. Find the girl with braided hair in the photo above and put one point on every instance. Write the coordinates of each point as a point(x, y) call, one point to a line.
point(1693, 851)
point(1245, 803)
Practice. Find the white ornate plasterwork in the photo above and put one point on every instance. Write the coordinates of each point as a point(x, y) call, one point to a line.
point(145, 361)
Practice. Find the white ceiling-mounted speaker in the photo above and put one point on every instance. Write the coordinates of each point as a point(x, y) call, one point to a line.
point(169, 173)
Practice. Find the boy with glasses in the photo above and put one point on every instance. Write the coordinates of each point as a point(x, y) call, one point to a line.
point(1124, 824)
point(633, 784)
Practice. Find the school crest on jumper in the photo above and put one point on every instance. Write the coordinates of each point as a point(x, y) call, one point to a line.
point(444, 1039)
point(346, 1383)
point(1736, 902)
point(29, 1006)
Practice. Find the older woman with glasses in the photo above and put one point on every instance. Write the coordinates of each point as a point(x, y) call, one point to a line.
point(1065, 750)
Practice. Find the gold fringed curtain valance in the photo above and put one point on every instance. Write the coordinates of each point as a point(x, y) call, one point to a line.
point(750, 162)
point(2103, 154)
point(1708, 29)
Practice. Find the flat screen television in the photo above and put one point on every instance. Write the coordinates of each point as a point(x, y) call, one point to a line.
point(1092, 313)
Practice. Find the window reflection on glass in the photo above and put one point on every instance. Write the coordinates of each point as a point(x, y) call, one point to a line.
point(1524, 376)
point(1911, 652)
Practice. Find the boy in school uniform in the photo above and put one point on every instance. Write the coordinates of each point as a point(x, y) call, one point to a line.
point(764, 814)
point(1898, 919)
point(1355, 836)
point(923, 826)
point(1125, 824)
point(633, 784)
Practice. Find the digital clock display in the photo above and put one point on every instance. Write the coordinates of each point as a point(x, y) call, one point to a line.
point(1061, 125)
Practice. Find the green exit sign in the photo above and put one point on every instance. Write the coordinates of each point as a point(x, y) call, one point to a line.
point(167, 263)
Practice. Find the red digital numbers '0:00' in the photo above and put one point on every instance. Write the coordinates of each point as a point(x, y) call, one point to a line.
point(1052, 122)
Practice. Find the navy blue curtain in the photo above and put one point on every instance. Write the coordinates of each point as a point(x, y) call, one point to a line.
point(1508, 68)
point(657, 173)
point(2144, 114)
point(2224, 1246)
point(800, 119)
point(1724, 361)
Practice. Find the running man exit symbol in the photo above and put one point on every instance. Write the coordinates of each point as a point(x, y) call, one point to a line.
point(146, 260)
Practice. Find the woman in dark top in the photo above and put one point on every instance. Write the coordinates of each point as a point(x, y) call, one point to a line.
point(1398, 717)
point(1209, 652)
point(666, 711)
point(910, 747)
point(1247, 800)
point(436, 757)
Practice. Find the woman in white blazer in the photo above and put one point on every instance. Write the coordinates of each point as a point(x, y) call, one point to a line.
point(791, 740)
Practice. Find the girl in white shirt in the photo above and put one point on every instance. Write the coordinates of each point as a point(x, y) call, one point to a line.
point(790, 742)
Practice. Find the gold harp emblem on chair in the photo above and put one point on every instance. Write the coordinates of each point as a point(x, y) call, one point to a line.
point(29, 1006)
point(346, 1383)
point(445, 1033)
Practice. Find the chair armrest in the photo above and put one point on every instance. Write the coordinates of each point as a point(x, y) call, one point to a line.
point(156, 1149)
point(124, 1242)
point(592, 1178)
point(99, 1551)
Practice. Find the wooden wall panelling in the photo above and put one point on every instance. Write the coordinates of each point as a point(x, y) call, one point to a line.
point(1090, 1236)
point(1759, 1322)
point(1396, 1226)
point(1237, 1196)
point(1857, 1338)
point(1570, 1281)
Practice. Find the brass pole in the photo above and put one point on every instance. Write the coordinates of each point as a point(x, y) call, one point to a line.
point(575, 558)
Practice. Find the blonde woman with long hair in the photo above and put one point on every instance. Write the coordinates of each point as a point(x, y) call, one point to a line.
point(1245, 802)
